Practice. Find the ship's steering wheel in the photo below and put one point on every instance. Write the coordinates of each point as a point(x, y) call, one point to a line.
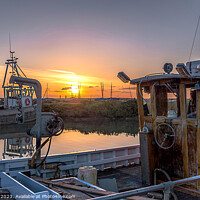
point(165, 136)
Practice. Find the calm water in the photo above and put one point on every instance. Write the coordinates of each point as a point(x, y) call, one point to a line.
point(77, 136)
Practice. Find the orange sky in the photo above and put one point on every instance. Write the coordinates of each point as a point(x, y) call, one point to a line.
point(67, 84)
point(66, 42)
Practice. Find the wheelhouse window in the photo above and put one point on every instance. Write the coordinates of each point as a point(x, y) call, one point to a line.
point(146, 96)
point(191, 99)
point(167, 100)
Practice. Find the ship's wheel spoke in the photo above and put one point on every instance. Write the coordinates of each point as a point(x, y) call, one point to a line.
point(163, 142)
point(163, 134)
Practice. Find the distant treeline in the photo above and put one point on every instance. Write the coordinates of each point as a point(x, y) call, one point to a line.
point(104, 126)
point(94, 109)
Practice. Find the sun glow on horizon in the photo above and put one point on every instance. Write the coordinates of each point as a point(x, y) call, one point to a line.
point(74, 89)
point(67, 84)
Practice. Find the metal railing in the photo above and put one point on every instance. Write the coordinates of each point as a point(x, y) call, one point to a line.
point(100, 159)
point(167, 188)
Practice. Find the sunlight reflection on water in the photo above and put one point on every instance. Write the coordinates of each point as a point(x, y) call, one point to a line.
point(73, 141)
point(79, 136)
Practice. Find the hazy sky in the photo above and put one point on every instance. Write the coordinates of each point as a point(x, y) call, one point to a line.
point(65, 42)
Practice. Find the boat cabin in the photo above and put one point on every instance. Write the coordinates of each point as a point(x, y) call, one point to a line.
point(169, 117)
point(18, 98)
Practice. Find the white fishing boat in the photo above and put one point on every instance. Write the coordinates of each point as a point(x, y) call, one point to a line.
point(18, 110)
point(169, 141)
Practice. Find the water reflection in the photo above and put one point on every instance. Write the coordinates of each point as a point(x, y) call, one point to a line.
point(15, 145)
point(18, 147)
point(6, 130)
point(77, 136)
point(104, 126)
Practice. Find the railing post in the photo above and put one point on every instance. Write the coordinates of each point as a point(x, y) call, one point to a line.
point(101, 158)
point(168, 188)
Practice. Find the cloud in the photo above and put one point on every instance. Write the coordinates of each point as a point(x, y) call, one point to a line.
point(60, 71)
point(66, 88)
point(90, 86)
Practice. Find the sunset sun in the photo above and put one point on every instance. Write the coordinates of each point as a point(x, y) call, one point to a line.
point(74, 89)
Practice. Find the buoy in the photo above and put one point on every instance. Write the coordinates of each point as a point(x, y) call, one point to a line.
point(88, 174)
point(27, 140)
point(27, 101)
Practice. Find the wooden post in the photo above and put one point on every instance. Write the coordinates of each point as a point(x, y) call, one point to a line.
point(198, 135)
point(153, 107)
point(151, 137)
point(184, 131)
point(140, 108)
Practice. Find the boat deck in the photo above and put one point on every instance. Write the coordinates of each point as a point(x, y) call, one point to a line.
point(127, 178)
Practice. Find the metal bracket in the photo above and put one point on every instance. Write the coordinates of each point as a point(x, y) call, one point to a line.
point(168, 189)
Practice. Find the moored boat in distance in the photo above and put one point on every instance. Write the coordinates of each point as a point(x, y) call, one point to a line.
point(18, 109)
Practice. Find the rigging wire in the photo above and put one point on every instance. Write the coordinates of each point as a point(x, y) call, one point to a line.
point(171, 89)
point(195, 34)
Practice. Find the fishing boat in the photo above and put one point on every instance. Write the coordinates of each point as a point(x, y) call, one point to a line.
point(18, 110)
point(169, 116)
point(169, 151)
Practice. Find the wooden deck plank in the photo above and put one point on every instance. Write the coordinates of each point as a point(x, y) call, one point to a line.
point(73, 187)
point(189, 191)
point(139, 198)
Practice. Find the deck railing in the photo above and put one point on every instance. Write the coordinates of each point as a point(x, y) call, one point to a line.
point(167, 188)
point(65, 164)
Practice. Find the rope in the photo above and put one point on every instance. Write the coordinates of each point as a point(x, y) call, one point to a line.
point(171, 89)
point(195, 34)
point(53, 133)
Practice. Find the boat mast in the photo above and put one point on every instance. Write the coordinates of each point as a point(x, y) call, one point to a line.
point(12, 62)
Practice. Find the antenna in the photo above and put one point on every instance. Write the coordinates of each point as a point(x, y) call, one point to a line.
point(71, 92)
point(111, 91)
point(11, 52)
point(10, 42)
point(12, 62)
point(79, 90)
point(46, 93)
point(102, 89)
point(195, 34)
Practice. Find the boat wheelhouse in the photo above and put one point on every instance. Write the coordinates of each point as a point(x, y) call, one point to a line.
point(169, 118)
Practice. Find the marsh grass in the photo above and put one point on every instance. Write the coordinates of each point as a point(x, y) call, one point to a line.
point(93, 109)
